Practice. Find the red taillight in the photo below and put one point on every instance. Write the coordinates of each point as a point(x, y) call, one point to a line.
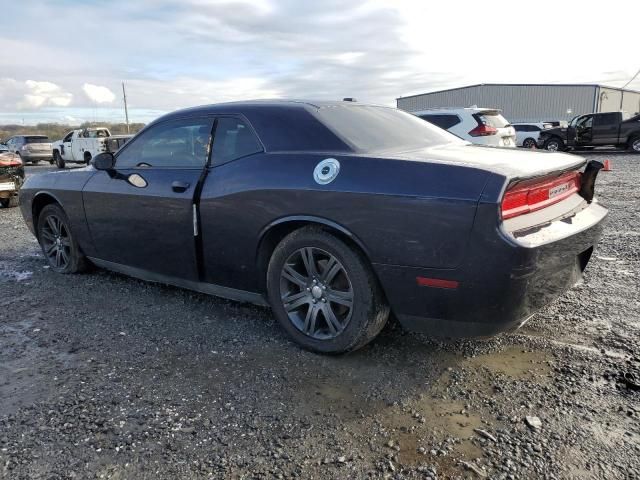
point(533, 196)
point(483, 131)
point(10, 163)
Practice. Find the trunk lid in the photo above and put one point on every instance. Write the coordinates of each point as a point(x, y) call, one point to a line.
point(513, 164)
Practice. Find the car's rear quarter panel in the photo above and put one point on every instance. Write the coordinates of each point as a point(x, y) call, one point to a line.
point(401, 212)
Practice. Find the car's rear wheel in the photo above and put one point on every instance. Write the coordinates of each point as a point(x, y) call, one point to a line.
point(10, 202)
point(529, 143)
point(58, 159)
point(324, 293)
point(634, 144)
point(554, 144)
point(57, 241)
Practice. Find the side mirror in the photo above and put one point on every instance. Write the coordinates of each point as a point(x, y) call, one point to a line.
point(103, 161)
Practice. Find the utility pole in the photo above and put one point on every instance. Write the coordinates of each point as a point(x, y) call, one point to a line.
point(126, 112)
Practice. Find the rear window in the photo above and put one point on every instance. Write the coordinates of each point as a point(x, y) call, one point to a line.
point(491, 119)
point(36, 140)
point(370, 128)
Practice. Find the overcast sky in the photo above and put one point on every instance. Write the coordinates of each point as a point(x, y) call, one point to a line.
point(63, 60)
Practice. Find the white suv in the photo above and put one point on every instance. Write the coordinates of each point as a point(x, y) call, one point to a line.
point(527, 133)
point(484, 126)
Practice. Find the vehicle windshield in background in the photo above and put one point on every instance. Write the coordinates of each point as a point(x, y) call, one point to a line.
point(492, 119)
point(36, 140)
point(96, 134)
point(369, 128)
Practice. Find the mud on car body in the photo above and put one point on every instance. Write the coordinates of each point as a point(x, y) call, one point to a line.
point(11, 179)
point(332, 213)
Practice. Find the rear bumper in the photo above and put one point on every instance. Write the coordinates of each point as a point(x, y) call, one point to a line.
point(35, 156)
point(504, 281)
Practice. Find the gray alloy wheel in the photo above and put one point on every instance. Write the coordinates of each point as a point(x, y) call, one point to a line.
point(58, 245)
point(324, 293)
point(529, 143)
point(634, 144)
point(58, 159)
point(554, 144)
point(316, 293)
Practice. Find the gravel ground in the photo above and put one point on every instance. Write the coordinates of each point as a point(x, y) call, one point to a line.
point(102, 376)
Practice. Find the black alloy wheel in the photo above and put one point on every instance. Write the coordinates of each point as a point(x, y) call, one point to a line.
point(529, 143)
point(58, 245)
point(316, 293)
point(324, 293)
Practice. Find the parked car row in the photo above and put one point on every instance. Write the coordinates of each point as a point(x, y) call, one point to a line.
point(486, 126)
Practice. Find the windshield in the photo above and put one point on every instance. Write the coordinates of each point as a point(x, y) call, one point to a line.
point(367, 128)
point(36, 140)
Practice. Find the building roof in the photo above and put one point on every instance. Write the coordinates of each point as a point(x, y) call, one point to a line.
point(522, 85)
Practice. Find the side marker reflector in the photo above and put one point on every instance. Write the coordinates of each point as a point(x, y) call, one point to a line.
point(436, 282)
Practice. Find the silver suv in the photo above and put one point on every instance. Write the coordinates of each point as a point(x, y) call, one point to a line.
point(31, 148)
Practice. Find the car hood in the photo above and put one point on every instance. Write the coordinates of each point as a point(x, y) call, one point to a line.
point(510, 162)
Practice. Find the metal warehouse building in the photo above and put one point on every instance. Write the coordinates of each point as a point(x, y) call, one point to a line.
point(527, 103)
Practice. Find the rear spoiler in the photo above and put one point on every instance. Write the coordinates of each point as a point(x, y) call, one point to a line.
point(589, 180)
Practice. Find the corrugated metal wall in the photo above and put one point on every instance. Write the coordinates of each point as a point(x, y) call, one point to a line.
point(519, 103)
point(609, 100)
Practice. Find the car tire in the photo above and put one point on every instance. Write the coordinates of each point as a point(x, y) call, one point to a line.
point(335, 303)
point(58, 159)
point(58, 244)
point(35, 162)
point(634, 144)
point(529, 143)
point(87, 158)
point(10, 202)
point(554, 144)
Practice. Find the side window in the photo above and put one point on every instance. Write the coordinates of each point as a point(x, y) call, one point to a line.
point(233, 139)
point(174, 144)
point(607, 119)
point(520, 128)
point(535, 128)
point(68, 137)
point(585, 122)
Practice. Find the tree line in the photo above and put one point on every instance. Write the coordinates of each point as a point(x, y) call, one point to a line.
point(55, 131)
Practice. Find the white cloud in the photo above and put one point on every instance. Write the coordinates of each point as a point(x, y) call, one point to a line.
point(45, 94)
point(98, 93)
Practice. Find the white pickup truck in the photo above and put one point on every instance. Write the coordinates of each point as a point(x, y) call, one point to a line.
point(80, 146)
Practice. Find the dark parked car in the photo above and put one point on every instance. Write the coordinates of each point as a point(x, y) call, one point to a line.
point(615, 129)
point(31, 148)
point(11, 178)
point(333, 213)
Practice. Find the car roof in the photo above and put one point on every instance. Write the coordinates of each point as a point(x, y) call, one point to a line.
point(457, 110)
point(249, 105)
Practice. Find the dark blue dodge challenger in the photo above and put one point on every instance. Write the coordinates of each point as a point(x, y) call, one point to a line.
point(333, 213)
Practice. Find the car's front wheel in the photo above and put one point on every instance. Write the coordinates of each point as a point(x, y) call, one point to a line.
point(554, 144)
point(10, 202)
point(634, 144)
point(58, 243)
point(324, 293)
point(58, 159)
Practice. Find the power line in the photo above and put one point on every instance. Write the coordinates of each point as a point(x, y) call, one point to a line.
point(632, 79)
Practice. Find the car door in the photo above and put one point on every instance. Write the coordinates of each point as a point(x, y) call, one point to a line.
point(605, 128)
point(584, 130)
point(142, 213)
point(66, 152)
point(77, 146)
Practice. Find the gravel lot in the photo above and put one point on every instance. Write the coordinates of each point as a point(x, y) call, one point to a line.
point(102, 376)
